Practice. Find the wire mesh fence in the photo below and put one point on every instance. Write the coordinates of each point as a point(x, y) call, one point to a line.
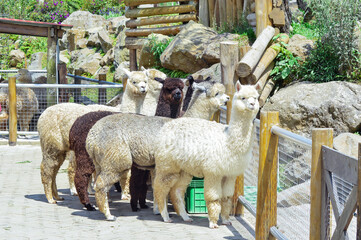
point(33, 99)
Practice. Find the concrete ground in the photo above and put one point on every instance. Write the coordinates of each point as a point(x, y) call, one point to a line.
point(26, 214)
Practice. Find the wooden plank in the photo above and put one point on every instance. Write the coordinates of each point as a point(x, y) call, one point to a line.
point(238, 208)
point(211, 7)
point(132, 61)
point(328, 181)
point(266, 215)
point(317, 219)
point(239, 10)
point(229, 13)
point(27, 30)
point(134, 3)
point(358, 237)
point(13, 130)
point(160, 20)
point(146, 12)
point(142, 32)
point(222, 13)
point(346, 216)
point(203, 12)
point(262, 11)
point(340, 164)
point(134, 43)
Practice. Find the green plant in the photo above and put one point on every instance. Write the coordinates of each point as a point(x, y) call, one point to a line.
point(52, 11)
point(157, 47)
point(286, 64)
point(307, 29)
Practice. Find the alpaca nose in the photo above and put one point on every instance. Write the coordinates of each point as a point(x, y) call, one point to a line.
point(228, 98)
point(177, 95)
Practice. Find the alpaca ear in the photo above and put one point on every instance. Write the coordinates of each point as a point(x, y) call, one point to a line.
point(160, 80)
point(196, 86)
point(258, 87)
point(208, 78)
point(238, 86)
point(188, 81)
point(143, 68)
point(127, 72)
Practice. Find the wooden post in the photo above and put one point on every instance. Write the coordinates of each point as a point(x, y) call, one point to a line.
point(51, 65)
point(102, 93)
point(63, 93)
point(203, 12)
point(229, 13)
point(318, 226)
point(358, 236)
point(222, 13)
point(212, 20)
point(267, 177)
point(77, 91)
point(263, 8)
point(239, 11)
point(13, 128)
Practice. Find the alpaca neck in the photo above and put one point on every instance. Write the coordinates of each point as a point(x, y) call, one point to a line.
point(199, 110)
point(132, 104)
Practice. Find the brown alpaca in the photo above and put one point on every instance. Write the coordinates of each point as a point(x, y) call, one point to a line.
point(169, 105)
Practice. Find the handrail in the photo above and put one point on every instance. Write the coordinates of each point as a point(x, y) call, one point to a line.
point(91, 79)
point(64, 85)
point(291, 136)
point(15, 71)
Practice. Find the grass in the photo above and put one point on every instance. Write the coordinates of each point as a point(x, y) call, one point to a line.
point(307, 29)
point(23, 162)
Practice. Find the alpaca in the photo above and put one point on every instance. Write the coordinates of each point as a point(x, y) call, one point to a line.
point(116, 141)
point(78, 134)
point(26, 106)
point(200, 148)
point(60, 118)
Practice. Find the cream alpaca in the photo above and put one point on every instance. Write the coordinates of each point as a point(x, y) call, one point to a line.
point(60, 118)
point(116, 141)
point(217, 152)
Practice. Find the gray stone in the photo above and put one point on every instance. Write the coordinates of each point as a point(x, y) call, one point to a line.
point(120, 75)
point(121, 53)
point(214, 72)
point(36, 59)
point(73, 36)
point(147, 58)
point(347, 143)
point(105, 42)
point(108, 58)
point(16, 56)
point(300, 46)
point(304, 106)
point(64, 57)
point(86, 20)
point(87, 60)
point(81, 43)
point(116, 24)
point(294, 196)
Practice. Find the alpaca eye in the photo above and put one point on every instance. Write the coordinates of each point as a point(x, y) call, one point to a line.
point(134, 82)
point(243, 98)
point(216, 94)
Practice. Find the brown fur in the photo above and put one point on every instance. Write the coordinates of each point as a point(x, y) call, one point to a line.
point(84, 165)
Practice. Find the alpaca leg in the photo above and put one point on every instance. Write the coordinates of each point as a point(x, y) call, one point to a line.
point(162, 185)
point(228, 184)
point(101, 188)
point(71, 172)
point(212, 195)
point(54, 187)
point(47, 181)
point(81, 181)
point(134, 186)
point(155, 204)
point(177, 195)
point(124, 183)
point(143, 190)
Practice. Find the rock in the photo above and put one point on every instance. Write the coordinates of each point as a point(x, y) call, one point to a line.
point(214, 72)
point(347, 143)
point(300, 46)
point(116, 24)
point(81, 43)
point(121, 53)
point(86, 20)
point(105, 42)
point(119, 75)
point(16, 57)
point(36, 59)
point(64, 57)
point(87, 60)
point(108, 58)
point(294, 196)
point(73, 36)
point(185, 52)
point(102, 70)
point(147, 58)
point(93, 39)
point(304, 106)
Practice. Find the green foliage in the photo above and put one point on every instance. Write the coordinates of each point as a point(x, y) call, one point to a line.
point(173, 73)
point(18, 9)
point(158, 47)
point(286, 64)
point(335, 22)
point(106, 8)
point(54, 11)
point(307, 29)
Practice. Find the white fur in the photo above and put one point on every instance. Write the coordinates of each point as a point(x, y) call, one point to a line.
point(219, 153)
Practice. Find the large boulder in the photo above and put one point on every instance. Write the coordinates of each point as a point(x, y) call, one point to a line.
point(195, 47)
point(87, 60)
point(347, 143)
point(121, 53)
point(300, 46)
point(214, 72)
point(116, 24)
point(36, 59)
point(304, 106)
point(85, 20)
point(16, 56)
point(147, 58)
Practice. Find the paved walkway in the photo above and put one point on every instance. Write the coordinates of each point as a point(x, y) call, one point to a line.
point(25, 213)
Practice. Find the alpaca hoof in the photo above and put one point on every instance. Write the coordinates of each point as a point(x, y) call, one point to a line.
point(125, 196)
point(89, 207)
point(168, 220)
point(144, 206)
point(226, 222)
point(135, 209)
point(188, 219)
point(59, 198)
point(111, 218)
point(52, 201)
point(213, 225)
point(73, 193)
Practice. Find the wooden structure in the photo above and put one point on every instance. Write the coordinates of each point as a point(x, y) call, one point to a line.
point(158, 18)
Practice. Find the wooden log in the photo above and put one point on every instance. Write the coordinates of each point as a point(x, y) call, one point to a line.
point(239, 10)
point(229, 13)
point(160, 20)
point(142, 32)
point(358, 235)
point(51, 67)
point(263, 8)
point(250, 60)
point(146, 12)
point(263, 79)
point(222, 13)
point(133, 66)
point(217, 15)
point(63, 92)
point(134, 3)
point(134, 43)
point(13, 130)
point(266, 92)
point(211, 8)
point(317, 219)
point(238, 209)
point(266, 215)
point(77, 91)
point(203, 12)
point(268, 57)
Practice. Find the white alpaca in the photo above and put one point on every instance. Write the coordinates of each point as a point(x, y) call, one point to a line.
point(219, 153)
point(60, 118)
point(116, 141)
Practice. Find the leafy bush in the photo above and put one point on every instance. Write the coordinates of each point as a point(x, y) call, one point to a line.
point(335, 21)
point(307, 29)
point(52, 11)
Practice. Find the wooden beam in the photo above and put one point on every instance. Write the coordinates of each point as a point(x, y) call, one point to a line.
point(358, 237)
point(211, 7)
point(266, 216)
point(222, 13)
point(263, 8)
point(132, 61)
point(134, 3)
point(160, 20)
point(13, 129)
point(203, 12)
point(142, 32)
point(146, 12)
point(51, 66)
point(318, 189)
point(134, 43)
point(27, 30)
